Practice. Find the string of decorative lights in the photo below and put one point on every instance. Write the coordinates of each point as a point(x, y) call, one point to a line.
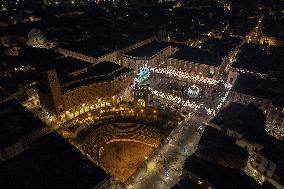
point(177, 100)
point(223, 99)
point(185, 75)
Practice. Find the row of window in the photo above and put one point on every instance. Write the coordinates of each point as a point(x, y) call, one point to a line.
point(82, 96)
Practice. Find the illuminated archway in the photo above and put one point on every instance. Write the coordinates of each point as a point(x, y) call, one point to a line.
point(141, 103)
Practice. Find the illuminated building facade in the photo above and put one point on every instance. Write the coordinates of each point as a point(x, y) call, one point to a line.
point(98, 85)
point(141, 96)
point(152, 54)
point(196, 62)
point(50, 94)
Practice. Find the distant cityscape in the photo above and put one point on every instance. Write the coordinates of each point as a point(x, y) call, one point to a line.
point(142, 94)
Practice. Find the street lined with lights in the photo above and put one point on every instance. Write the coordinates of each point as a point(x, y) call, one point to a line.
point(164, 167)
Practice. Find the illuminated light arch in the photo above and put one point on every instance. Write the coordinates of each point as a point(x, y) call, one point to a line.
point(141, 102)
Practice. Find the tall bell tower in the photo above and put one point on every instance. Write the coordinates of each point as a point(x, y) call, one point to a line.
point(50, 94)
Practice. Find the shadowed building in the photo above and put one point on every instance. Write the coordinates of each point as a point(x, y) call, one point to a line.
point(246, 125)
point(18, 128)
point(267, 94)
point(201, 174)
point(257, 75)
point(215, 146)
point(50, 162)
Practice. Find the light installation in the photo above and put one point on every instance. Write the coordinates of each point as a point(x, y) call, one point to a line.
point(188, 76)
point(184, 75)
point(143, 74)
point(193, 91)
point(222, 100)
point(177, 100)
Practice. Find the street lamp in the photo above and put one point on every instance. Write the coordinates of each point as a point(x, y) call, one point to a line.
point(166, 173)
point(185, 150)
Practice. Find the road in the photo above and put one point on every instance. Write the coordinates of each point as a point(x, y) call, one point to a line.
point(164, 167)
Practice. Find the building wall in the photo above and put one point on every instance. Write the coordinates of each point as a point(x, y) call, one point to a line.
point(263, 165)
point(234, 134)
point(274, 114)
point(85, 98)
point(111, 57)
point(77, 55)
point(276, 117)
point(264, 104)
point(115, 56)
point(232, 77)
point(96, 91)
point(260, 163)
point(55, 90)
point(252, 148)
point(257, 161)
point(163, 36)
point(162, 56)
point(194, 68)
point(45, 95)
point(275, 181)
point(79, 100)
point(49, 91)
point(136, 62)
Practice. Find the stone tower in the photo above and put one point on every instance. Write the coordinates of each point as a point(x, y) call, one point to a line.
point(142, 96)
point(50, 93)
